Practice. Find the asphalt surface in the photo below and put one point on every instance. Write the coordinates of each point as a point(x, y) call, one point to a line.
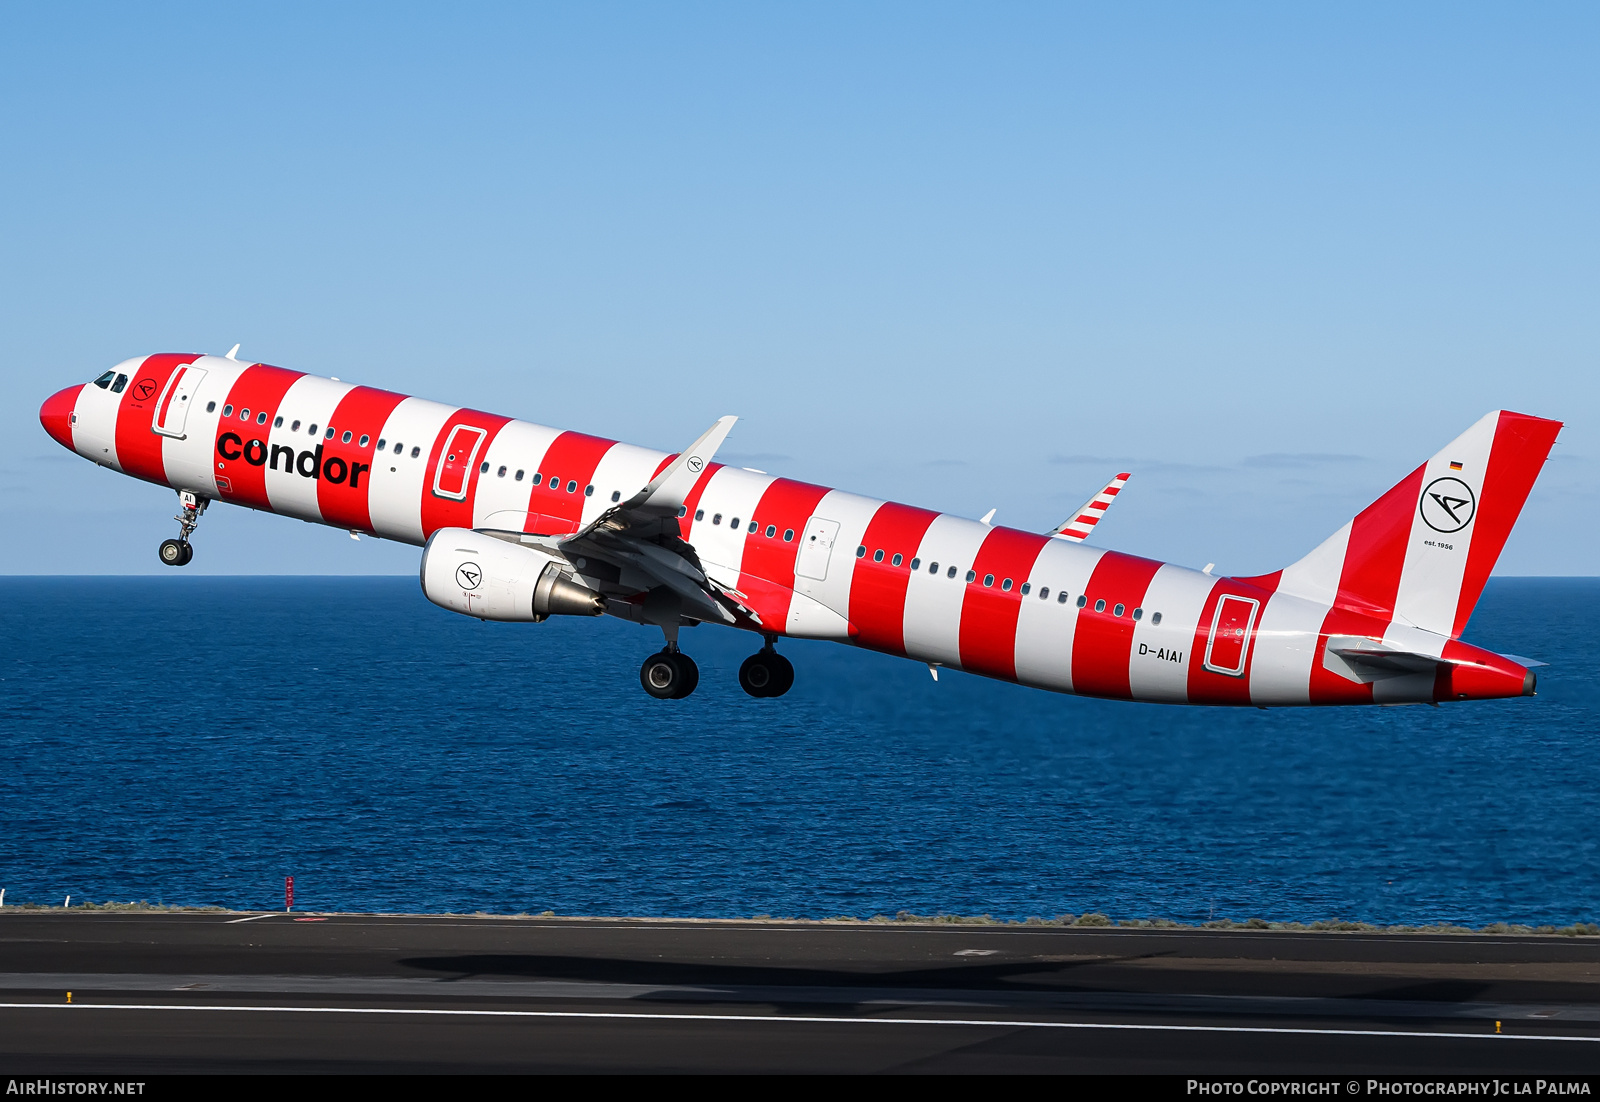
point(194, 992)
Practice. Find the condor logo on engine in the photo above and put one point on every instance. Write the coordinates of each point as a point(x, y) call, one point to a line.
point(306, 464)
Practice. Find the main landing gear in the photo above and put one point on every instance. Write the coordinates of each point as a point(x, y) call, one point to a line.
point(766, 673)
point(178, 552)
point(669, 674)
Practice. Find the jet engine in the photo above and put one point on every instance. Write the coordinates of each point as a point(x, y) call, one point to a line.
point(483, 576)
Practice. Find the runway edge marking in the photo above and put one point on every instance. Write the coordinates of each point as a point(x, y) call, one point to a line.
point(806, 1019)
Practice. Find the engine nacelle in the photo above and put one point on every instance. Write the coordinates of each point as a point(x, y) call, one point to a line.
point(478, 575)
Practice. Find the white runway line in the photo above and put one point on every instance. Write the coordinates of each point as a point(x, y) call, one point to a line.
point(805, 1019)
point(252, 918)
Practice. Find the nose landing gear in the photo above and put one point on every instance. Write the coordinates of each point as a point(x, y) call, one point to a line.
point(766, 673)
point(178, 552)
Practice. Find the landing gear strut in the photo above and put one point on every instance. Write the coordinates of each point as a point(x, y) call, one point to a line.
point(178, 552)
point(669, 674)
point(766, 673)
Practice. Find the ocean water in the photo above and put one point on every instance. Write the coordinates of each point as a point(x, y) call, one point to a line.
point(194, 740)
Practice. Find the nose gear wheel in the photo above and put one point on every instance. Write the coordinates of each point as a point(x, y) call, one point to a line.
point(178, 552)
point(175, 552)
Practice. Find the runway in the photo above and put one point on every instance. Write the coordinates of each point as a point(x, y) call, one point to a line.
point(156, 993)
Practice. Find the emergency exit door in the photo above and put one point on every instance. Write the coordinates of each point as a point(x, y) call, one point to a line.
point(816, 548)
point(454, 473)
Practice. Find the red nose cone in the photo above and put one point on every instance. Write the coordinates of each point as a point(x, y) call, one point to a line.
point(56, 414)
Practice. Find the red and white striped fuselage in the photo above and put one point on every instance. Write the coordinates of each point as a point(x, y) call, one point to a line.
point(812, 562)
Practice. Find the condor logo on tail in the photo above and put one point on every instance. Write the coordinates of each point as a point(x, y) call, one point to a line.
point(306, 464)
point(1448, 505)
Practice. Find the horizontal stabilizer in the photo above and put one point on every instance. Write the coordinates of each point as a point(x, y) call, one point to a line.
point(1379, 655)
point(1082, 521)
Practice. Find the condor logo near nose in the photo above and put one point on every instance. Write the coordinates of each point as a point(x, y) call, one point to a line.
point(306, 464)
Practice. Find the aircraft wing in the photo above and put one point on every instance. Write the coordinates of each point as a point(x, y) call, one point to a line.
point(1082, 521)
point(641, 536)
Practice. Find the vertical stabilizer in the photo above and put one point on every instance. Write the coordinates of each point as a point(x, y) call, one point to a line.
point(1422, 552)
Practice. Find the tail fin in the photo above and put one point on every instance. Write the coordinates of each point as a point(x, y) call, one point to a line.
point(1421, 553)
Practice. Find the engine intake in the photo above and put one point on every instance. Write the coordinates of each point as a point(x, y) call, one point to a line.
point(479, 575)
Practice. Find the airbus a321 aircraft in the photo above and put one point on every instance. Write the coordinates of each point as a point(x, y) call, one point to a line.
point(520, 522)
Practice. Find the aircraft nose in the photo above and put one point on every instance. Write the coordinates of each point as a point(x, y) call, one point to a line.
point(56, 414)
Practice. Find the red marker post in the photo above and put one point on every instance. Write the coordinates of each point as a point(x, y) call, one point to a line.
point(288, 893)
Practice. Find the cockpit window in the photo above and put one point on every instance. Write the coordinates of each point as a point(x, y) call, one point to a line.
point(116, 387)
point(105, 380)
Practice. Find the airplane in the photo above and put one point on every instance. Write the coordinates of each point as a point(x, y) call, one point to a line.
point(520, 522)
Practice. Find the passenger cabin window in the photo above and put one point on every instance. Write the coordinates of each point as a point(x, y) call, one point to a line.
point(877, 556)
point(972, 575)
point(716, 518)
point(734, 523)
point(1155, 618)
point(519, 475)
point(1026, 586)
point(1138, 614)
point(897, 560)
point(788, 535)
point(616, 495)
point(988, 580)
point(861, 552)
point(345, 439)
point(916, 564)
point(754, 525)
point(588, 491)
point(483, 468)
point(261, 418)
point(311, 430)
point(951, 572)
point(572, 488)
point(1119, 610)
point(294, 426)
point(1005, 586)
point(933, 568)
point(772, 530)
point(1083, 600)
point(1100, 605)
point(382, 443)
point(227, 411)
point(211, 407)
point(1061, 600)
point(537, 478)
point(364, 440)
point(501, 473)
point(277, 422)
point(329, 434)
point(415, 451)
point(699, 514)
point(398, 447)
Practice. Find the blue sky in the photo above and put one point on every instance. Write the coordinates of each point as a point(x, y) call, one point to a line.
point(1268, 258)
